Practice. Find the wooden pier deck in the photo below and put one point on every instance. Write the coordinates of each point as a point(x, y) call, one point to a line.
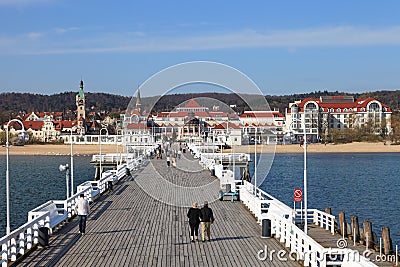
point(127, 227)
point(327, 240)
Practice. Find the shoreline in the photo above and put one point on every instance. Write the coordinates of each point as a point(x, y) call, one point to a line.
point(63, 150)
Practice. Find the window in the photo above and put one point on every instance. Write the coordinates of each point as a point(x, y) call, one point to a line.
point(338, 110)
point(332, 110)
point(310, 107)
point(374, 107)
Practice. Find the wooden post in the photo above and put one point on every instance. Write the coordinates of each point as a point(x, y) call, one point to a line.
point(355, 230)
point(369, 242)
point(328, 210)
point(342, 224)
point(387, 242)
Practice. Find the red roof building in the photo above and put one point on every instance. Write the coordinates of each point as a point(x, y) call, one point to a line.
point(318, 115)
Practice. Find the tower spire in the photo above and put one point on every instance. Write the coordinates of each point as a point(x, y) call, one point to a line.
point(138, 104)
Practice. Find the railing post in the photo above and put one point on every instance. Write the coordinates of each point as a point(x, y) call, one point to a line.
point(21, 243)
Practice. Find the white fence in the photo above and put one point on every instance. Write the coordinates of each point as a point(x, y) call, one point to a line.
point(54, 213)
point(306, 249)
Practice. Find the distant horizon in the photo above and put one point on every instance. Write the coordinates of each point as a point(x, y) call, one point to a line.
point(194, 92)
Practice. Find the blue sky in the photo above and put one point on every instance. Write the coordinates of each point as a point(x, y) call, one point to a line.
point(47, 46)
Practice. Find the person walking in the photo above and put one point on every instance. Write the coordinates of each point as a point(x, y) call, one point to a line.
point(82, 208)
point(207, 218)
point(194, 222)
point(168, 161)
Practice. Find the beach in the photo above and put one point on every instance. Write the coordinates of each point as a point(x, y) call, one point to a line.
point(60, 149)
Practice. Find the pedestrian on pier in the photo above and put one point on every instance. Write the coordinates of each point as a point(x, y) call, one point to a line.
point(82, 208)
point(194, 222)
point(207, 218)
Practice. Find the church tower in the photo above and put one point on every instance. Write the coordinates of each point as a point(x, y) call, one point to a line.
point(80, 104)
point(138, 104)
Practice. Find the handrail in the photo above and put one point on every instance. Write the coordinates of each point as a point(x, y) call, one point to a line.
point(264, 206)
point(24, 238)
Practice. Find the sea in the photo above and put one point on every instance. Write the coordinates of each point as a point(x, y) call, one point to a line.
point(363, 184)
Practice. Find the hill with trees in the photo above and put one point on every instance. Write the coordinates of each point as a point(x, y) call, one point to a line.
point(12, 104)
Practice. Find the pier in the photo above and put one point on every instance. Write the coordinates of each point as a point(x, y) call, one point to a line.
point(127, 227)
point(142, 221)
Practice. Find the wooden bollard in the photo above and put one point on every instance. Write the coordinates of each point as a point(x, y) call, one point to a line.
point(387, 242)
point(355, 229)
point(368, 238)
point(342, 224)
point(328, 210)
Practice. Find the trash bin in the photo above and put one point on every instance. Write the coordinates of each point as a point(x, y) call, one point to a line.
point(110, 185)
point(266, 228)
point(43, 237)
point(212, 172)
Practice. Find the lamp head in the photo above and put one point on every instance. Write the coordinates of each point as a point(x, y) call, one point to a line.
point(63, 167)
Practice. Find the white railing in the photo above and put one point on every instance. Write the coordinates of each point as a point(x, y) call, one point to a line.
point(55, 213)
point(320, 218)
point(19, 241)
point(282, 217)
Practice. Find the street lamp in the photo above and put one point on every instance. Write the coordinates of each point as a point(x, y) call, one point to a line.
point(72, 160)
point(65, 168)
point(101, 171)
point(24, 136)
point(304, 172)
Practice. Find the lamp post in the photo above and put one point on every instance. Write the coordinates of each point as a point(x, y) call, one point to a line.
point(65, 168)
point(24, 136)
point(255, 162)
point(305, 173)
point(101, 159)
point(72, 160)
point(305, 176)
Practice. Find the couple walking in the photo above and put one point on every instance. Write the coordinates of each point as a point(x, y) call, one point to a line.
point(205, 217)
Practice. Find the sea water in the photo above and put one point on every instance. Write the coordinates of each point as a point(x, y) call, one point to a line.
point(35, 180)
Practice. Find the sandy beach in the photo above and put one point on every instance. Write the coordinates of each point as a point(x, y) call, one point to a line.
point(60, 149)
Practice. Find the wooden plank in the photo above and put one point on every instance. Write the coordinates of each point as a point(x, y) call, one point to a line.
point(129, 228)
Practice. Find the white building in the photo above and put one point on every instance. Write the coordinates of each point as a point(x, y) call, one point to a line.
point(319, 115)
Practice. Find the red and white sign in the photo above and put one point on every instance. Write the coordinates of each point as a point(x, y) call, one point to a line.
point(298, 195)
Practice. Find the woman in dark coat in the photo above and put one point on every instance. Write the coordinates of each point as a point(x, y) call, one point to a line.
point(194, 222)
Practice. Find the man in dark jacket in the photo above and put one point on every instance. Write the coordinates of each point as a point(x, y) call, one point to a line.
point(207, 218)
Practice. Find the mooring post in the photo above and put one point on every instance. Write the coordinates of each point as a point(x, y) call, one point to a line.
point(369, 242)
point(355, 230)
point(387, 242)
point(342, 224)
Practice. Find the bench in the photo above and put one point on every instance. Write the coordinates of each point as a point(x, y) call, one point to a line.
point(56, 215)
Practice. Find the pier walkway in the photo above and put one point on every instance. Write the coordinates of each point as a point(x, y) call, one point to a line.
point(327, 240)
point(127, 227)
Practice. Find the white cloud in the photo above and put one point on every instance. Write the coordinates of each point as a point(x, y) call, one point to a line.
point(34, 35)
point(64, 30)
point(142, 42)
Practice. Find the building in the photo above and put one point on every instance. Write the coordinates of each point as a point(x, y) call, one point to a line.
point(80, 105)
point(320, 115)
